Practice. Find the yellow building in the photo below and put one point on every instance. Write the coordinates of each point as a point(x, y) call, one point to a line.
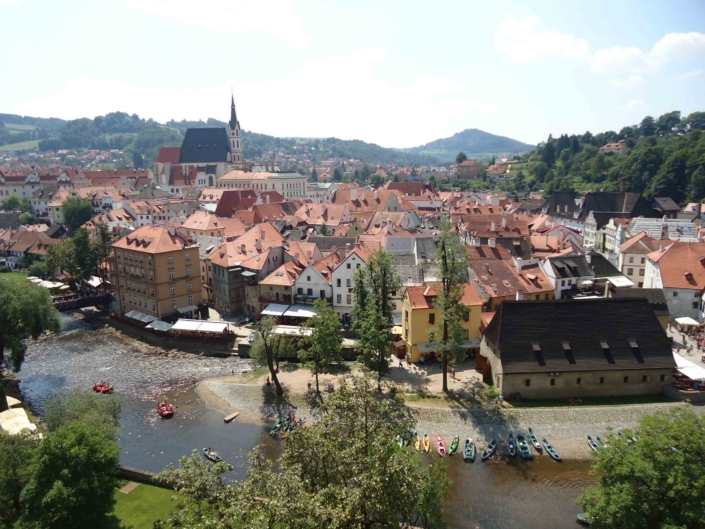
point(155, 270)
point(419, 318)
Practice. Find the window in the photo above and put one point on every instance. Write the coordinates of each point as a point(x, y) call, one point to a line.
point(675, 294)
point(578, 381)
point(170, 259)
point(171, 273)
point(188, 271)
point(641, 284)
point(527, 382)
point(631, 260)
point(154, 305)
point(432, 318)
point(187, 257)
point(349, 266)
point(309, 292)
point(339, 298)
point(308, 278)
point(349, 299)
point(696, 294)
point(151, 274)
point(348, 282)
point(357, 266)
point(643, 260)
point(173, 303)
point(172, 289)
point(626, 380)
point(337, 282)
point(630, 271)
point(645, 378)
point(553, 381)
point(152, 290)
point(641, 272)
point(695, 304)
point(602, 380)
point(300, 291)
point(189, 286)
point(662, 378)
point(190, 300)
point(562, 282)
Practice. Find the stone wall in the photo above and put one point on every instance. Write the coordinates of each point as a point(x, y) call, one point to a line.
point(141, 476)
point(692, 396)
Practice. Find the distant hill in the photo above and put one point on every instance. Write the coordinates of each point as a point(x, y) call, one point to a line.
point(473, 142)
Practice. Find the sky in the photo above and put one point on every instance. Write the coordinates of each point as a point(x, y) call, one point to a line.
point(395, 73)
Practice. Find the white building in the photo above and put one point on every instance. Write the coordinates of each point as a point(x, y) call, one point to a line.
point(289, 184)
point(343, 282)
point(316, 280)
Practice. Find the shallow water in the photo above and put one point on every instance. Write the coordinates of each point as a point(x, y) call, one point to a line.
point(501, 493)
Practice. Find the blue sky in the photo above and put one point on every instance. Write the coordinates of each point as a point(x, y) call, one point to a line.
point(397, 73)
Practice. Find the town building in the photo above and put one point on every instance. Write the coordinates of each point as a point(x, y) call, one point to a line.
point(576, 348)
point(571, 209)
point(343, 281)
point(632, 256)
point(619, 147)
point(288, 184)
point(468, 169)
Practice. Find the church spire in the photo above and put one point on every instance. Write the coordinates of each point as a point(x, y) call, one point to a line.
point(233, 116)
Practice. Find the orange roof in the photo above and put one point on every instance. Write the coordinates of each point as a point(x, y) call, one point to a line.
point(285, 275)
point(202, 220)
point(325, 266)
point(152, 239)
point(640, 244)
point(682, 265)
point(422, 297)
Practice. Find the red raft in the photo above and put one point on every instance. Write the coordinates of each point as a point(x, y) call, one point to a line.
point(165, 410)
point(102, 387)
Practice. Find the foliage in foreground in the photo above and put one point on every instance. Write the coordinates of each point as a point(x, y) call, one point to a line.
point(657, 482)
point(344, 472)
point(324, 346)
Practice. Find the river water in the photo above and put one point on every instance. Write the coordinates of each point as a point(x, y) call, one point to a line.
point(499, 494)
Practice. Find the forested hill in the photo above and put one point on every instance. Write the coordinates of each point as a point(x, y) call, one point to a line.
point(474, 143)
point(119, 130)
point(666, 158)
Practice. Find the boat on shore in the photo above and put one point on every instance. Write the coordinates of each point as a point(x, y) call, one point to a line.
point(511, 445)
point(102, 387)
point(441, 446)
point(489, 450)
point(600, 442)
point(524, 448)
point(277, 426)
point(212, 455)
point(581, 519)
point(417, 440)
point(551, 451)
point(165, 410)
point(469, 450)
point(534, 440)
point(592, 444)
point(454, 445)
point(426, 443)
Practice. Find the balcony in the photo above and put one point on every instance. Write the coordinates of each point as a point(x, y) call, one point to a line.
point(303, 299)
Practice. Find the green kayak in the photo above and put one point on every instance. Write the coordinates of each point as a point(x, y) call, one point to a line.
point(551, 451)
point(277, 427)
point(454, 444)
point(524, 448)
point(469, 450)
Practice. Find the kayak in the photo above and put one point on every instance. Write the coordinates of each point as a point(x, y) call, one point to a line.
point(524, 448)
point(469, 450)
point(165, 410)
point(534, 440)
point(593, 444)
point(629, 440)
point(440, 446)
point(212, 455)
point(102, 387)
point(487, 452)
point(277, 427)
point(417, 441)
point(599, 442)
point(511, 446)
point(454, 444)
point(426, 443)
point(582, 520)
point(551, 451)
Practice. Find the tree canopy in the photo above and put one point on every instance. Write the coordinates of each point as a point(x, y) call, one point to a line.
point(324, 346)
point(76, 211)
point(26, 311)
point(656, 482)
point(461, 157)
point(268, 348)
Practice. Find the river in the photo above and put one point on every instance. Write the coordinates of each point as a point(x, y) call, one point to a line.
point(498, 494)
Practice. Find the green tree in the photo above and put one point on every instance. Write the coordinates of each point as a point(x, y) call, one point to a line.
point(694, 121)
point(137, 160)
point(16, 453)
point(669, 123)
point(11, 203)
point(265, 349)
point(647, 127)
point(83, 405)
point(451, 261)
point(74, 477)
point(373, 319)
point(101, 249)
point(39, 269)
point(26, 311)
point(3, 399)
point(337, 175)
point(325, 230)
point(26, 218)
point(461, 157)
point(365, 172)
point(697, 185)
point(76, 211)
point(672, 178)
point(25, 206)
point(314, 175)
point(324, 346)
point(549, 155)
point(84, 258)
point(656, 482)
point(60, 257)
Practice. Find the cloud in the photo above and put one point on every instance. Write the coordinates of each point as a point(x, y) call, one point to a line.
point(636, 104)
point(670, 48)
point(630, 82)
point(525, 40)
point(378, 110)
point(689, 75)
point(274, 17)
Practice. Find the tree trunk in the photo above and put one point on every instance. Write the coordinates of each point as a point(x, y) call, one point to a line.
point(275, 380)
point(2, 349)
point(318, 391)
point(446, 289)
point(445, 357)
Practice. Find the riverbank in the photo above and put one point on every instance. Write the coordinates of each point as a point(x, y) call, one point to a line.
point(566, 428)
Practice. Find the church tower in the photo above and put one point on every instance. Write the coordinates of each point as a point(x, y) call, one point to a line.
point(236, 159)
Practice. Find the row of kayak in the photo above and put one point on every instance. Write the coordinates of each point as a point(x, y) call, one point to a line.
point(470, 450)
point(596, 444)
point(287, 424)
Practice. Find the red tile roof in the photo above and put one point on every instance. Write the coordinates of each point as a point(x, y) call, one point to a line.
point(169, 155)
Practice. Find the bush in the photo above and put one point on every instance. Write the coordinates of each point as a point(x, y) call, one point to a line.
point(5, 270)
point(39, 270)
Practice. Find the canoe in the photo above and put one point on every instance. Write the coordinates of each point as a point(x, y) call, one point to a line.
point(469, 450)
point(440, 446)
point(487, 452)
point(231, 417)
point(592, 444)
point(165, 411)
point(277, 427)
point(511, 446)
point(600, 442)
point(213, 456)
point(426, 443)
point(534, 440)
point(551, 451)
point(454, 444)
point(524, 448)
point(581, 519)
point(417, 441)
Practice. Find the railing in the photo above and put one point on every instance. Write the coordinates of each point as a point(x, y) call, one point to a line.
point(310, 300)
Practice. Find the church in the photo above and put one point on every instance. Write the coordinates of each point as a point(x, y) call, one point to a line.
point(205, 155)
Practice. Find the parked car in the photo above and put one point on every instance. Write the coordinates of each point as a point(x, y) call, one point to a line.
point(252, 337)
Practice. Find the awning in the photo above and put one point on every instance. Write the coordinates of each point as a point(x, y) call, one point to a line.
point(159, 325)
point(397, 329)
point(300, 311)
point(686, 320)
point(688, 368)
point(292, 330)
point(274, 309)
point(190, 308)
point(215, 327)
point(93, 281)
point(37, 280)
point(247, 273)
point(620, 281)
point(186, 325)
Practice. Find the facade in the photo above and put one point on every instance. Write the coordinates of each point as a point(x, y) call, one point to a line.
point(420, 318)
point(572, 209)
point(468, 169)
point(343, 284)
point(542, 350)
point(288, 184)
point(316, 280)
point(155, 270)
point(632, 257)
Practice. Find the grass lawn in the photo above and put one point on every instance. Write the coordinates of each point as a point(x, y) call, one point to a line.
point(22, 146)
point(15, 276)
point(143, 506)
point(592, 401)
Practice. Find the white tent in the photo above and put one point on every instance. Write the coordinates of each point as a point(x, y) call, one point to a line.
point(215, 327)
point(301, 311)
point(687, 321)
point(159, 325)
point(186, 325)
point(688, 368)
point(275, 309)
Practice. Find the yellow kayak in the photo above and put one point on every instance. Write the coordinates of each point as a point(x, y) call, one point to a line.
point(417, 441)
point(426, 443)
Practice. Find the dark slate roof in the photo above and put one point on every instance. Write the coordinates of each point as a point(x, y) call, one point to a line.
point(584, 325)
point(602, 267)
point(619, 204)
point(532, 205)
point(516, 246)
point(325, 243)
point(207, 145)
point(573, 266)
point(654, 296)
point(407, 259)
point(426, 246)
point(664, 204)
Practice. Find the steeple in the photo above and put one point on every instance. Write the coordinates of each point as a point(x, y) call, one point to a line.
point(233, 115)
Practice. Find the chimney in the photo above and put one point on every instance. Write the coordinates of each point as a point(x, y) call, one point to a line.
point(492, 242)
point(353, 193)
point(363, 194)
point(258, 244)
point(504, 223)
point(267, 197)
point(623, 185)
point(477, 242)
point(519, 262)
point(588, 257)
point(520, 295)
point(243, 249)
point(262, 235)
point(661, 248)
point(493, 226)
point(376, 195)
point(296, 258)
point(700, 236)
point(171, 230)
